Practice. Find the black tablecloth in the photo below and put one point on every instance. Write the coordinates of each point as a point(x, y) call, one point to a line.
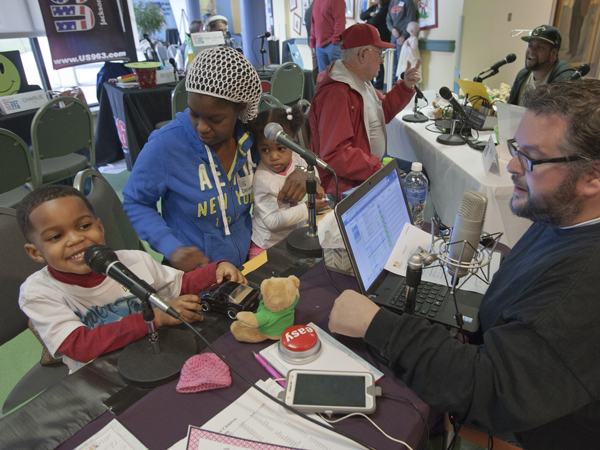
point(19, 123)
point(161, 418)
point(126, 118)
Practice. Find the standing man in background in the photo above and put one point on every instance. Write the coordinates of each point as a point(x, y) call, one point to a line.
point(327, 22)
point(313, 53)
point(400, 14)
point(376, 15)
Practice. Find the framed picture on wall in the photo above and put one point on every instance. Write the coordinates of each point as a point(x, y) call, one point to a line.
point(350, 9)
point(293, 4)
point(578, 25)
point(297, 24)
point(427, 14)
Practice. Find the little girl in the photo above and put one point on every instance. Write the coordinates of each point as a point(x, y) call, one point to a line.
point(272, 221)
point(410, 49)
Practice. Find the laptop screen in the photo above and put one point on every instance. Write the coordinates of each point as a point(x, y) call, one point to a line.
point(372, 224)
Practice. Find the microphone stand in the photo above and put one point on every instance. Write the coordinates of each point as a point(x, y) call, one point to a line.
point(157, 360)
point(262, 51)
point(417, 116)
point(300, 240)
point(452, 138)
point(479, 78)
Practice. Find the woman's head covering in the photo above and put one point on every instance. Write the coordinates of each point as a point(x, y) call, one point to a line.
point(225, 73)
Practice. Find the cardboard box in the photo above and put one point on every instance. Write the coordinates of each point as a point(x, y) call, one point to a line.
point(10, 104)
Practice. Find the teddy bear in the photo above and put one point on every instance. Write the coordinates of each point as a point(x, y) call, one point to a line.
point(275, 311)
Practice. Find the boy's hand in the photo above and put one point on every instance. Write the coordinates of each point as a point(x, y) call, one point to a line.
point(186, 306)
point(294, 188)
point(188, 258)
point(320, 204)
point(228, 272)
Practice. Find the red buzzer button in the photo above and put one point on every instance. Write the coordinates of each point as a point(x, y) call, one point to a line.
point(299, 344)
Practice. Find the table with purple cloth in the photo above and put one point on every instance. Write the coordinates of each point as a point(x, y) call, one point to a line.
point(161, 418)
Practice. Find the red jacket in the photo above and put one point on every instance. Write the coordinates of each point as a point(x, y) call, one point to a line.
point(328, 20)
point(338, 134)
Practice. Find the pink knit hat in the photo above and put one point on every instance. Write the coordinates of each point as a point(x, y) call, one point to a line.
point(203, 372)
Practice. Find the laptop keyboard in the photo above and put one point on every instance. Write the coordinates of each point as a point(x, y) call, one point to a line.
point(430, 298)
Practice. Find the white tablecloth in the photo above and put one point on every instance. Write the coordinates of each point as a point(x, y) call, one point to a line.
point(452, 171)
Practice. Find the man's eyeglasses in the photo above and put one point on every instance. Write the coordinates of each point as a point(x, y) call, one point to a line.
point(378, 51)
point(527, 163)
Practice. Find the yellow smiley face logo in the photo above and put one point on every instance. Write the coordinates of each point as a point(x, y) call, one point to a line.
point(10, 81)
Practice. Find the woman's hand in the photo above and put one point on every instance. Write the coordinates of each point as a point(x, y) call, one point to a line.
point(188, 258)
point(294, 188)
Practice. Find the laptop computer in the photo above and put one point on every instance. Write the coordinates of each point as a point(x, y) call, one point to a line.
point(370, 220)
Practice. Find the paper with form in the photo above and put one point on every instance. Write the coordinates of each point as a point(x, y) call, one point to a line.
point(410, 239)
point(113, 436)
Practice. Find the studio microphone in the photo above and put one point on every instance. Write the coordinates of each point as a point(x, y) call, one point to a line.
point(104, 261)
point(264, 36)
point(415, 87)
point(581, 71)
point(274, 132)
point(467, 227)
point(509, 59)
point(447, 94)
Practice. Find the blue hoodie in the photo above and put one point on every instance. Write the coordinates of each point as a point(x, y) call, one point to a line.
point(174, 167)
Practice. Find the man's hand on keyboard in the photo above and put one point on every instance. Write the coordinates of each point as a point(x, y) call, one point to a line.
point(352, 314)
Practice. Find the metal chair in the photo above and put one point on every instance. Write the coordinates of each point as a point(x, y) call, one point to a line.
point(59, 129)
point(15, 267)
point(118, 231)
point(287, 83)
point(179, 99)
point(16, 169)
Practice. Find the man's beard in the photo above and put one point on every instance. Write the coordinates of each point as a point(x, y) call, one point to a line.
point(558, 208)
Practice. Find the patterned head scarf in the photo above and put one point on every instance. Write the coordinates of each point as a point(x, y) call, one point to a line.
point(225, 73)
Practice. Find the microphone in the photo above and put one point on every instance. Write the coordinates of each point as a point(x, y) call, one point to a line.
point(509, 59)
point(172, 62)
point(415, 87)
point(581, 71)
point(104, 261)
point(468, 226)
point(447, 94)
point(264, 36)
point(274, 132)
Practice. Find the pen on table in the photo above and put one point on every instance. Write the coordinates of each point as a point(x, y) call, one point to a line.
point(263, 362)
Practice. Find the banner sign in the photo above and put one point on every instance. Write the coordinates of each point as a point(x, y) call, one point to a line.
point(87, 31)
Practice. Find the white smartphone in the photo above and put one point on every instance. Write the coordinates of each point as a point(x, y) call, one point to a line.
point(330, 391)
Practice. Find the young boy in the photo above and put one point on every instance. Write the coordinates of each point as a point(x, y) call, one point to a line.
point(79, 314)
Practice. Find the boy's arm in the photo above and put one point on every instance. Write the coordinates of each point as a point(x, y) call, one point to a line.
point(84, 344)
point(199, 279)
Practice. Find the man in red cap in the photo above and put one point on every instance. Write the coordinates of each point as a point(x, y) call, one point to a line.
point(348, 115)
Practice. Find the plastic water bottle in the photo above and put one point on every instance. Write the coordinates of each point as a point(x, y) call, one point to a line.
point(415, 185)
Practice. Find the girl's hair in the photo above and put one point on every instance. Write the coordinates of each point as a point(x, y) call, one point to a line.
point(291, 119)
point(413, 26)
point(225, 73)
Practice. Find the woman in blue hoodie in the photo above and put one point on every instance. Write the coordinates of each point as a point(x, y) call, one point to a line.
point(200, 167)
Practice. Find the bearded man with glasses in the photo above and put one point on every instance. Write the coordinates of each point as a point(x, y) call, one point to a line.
point(534, 373)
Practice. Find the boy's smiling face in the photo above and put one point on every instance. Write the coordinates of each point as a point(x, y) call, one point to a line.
point(63, 229)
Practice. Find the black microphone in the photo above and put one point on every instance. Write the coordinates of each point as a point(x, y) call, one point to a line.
point(104, 261)
point(468, 226)
point(147, 37)
point(509, 59)
point(447, 94)
point(274, 132)
point(417, 90)
point(581, 71)
point(264, 36)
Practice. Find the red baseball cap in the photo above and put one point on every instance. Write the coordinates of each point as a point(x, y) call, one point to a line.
point(361, 35)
